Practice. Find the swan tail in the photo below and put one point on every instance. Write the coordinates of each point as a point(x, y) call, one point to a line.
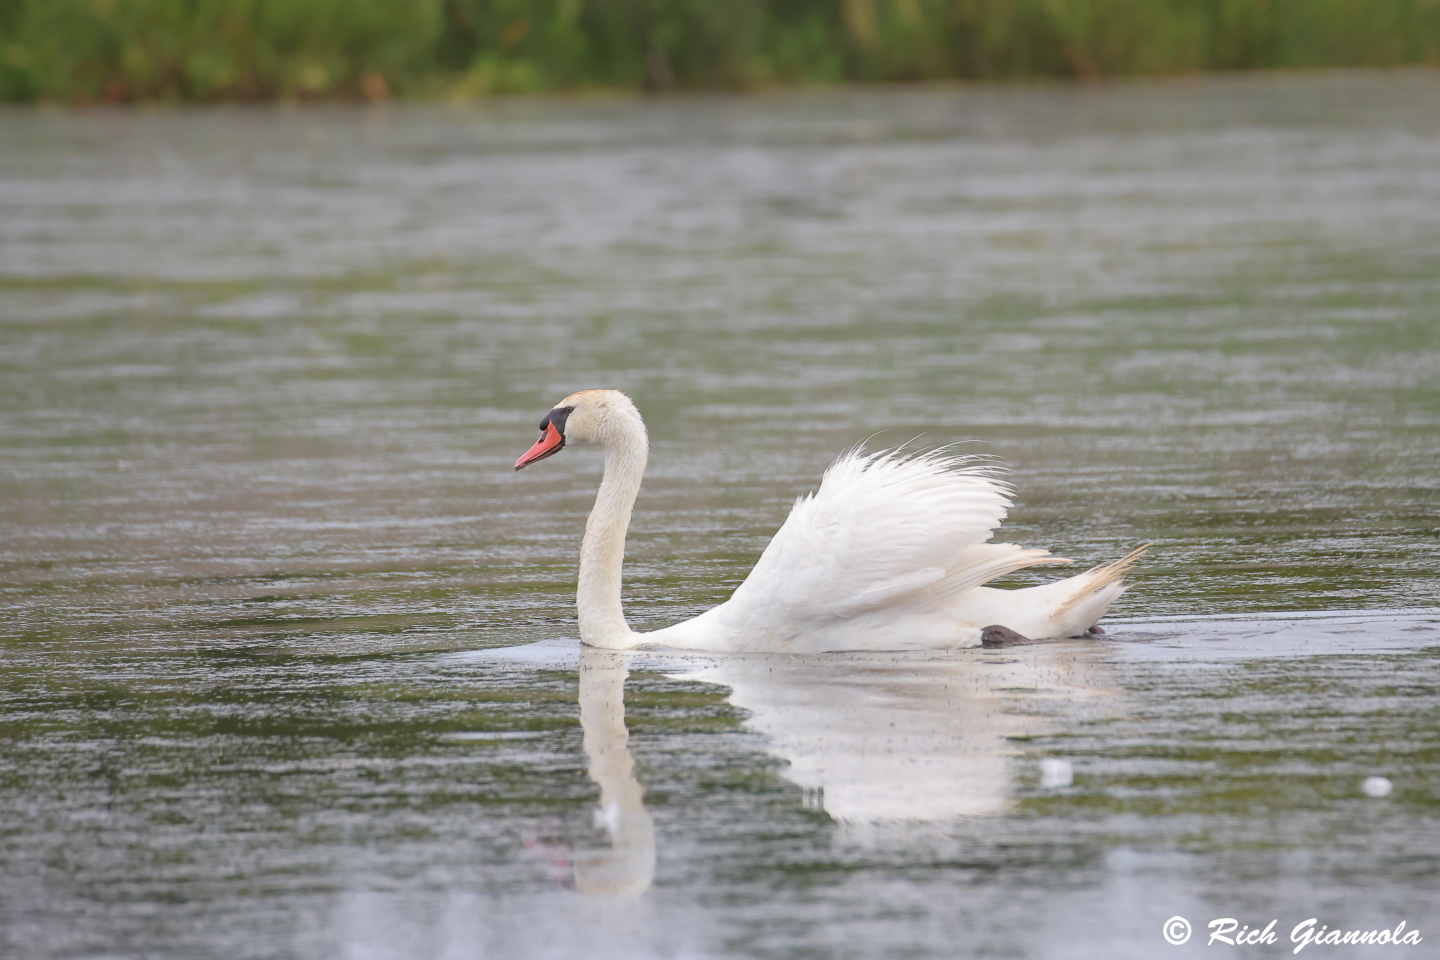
point(1094, 591)
point(982, 562)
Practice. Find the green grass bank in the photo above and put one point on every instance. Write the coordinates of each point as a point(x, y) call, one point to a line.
point(206, 50)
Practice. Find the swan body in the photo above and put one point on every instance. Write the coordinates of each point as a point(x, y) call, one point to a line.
point(891, 553)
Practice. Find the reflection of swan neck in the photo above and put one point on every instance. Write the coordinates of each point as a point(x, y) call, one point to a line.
point(602, 552)
point(606, 740)
point(628, 867)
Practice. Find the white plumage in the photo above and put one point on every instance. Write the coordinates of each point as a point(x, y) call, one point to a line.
point(889, 554)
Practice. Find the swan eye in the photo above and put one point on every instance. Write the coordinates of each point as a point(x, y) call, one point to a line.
point(558, 416)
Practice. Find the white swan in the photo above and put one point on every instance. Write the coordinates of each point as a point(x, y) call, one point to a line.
point(889, 554)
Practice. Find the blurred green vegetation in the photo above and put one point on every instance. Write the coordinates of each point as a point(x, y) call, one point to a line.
point(121, 50)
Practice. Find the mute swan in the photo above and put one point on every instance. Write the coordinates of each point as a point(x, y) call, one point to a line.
point(889, 554)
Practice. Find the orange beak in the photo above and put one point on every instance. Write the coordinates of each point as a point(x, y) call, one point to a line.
point(548, 445)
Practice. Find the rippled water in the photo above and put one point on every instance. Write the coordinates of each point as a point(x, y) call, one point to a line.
point(268, 579)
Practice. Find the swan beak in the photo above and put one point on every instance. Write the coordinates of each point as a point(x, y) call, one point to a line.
point(549, 444)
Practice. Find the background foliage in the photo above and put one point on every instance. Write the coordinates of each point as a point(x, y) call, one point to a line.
point(119, 50)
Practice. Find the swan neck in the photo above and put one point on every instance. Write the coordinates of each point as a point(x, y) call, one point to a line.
point(602, 552)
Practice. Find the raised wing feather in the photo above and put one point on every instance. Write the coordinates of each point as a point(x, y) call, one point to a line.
point(882, 529)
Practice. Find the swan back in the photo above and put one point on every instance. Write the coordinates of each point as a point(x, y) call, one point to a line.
point(872, 560)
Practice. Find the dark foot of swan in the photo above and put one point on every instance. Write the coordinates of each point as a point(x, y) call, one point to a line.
point(1096, 629)
point(998, 636)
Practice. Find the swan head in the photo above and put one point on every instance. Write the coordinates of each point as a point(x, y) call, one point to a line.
point(606, 417)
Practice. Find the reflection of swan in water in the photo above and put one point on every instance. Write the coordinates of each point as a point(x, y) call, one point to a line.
point(871, 738)
point(908, 737)
point(628, 865)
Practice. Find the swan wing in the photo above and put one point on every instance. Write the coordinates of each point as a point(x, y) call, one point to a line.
point(883, 529)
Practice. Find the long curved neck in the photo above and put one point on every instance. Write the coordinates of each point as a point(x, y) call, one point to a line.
point(602, 552)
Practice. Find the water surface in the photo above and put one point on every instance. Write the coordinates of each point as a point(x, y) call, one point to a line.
point(268, 579)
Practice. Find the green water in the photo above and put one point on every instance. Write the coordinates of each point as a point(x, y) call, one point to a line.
point(264, 563)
